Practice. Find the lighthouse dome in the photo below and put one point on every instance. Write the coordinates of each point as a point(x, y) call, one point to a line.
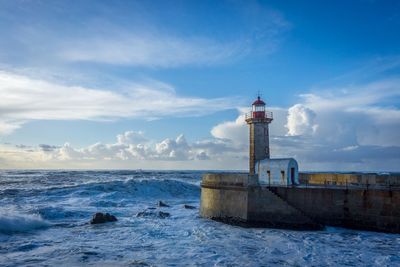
point(258, 102)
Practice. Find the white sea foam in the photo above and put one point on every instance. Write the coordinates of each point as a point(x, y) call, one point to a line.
point(11, 222)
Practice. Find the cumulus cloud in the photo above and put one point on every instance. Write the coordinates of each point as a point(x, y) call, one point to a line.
point(131, 137)
point(232, 130)
point(24, 99)
point(349, 128)
point(177, 149)
point(300, 120)
point(128, 146)
point(237, 131)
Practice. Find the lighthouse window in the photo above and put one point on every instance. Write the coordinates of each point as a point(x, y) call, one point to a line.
point(258, 108)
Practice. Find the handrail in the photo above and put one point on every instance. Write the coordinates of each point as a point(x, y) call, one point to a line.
point(268, 115)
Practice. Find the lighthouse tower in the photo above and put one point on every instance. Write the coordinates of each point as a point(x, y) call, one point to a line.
point(258, 120)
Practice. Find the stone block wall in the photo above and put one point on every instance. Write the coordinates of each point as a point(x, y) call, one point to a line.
point(224, 196)
point(377, 210)
point(235, 198)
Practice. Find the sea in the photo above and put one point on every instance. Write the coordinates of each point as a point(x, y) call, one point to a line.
point(45, 215)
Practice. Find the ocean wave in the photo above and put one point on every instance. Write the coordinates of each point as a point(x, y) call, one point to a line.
point(59, 213)
point(21, 223)
point(131, 188)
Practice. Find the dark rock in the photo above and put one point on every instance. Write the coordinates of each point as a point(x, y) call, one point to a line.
point(189, 207)
point(158, 214)
point(144, 214)
point(163, 214)
point(103, 218)
point(162, 204)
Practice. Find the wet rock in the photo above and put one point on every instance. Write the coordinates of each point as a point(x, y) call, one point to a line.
point(163, 214)
point(142, 214)
point(189, 207)
point(159, 214)
point(100, 217)
point(162, 204)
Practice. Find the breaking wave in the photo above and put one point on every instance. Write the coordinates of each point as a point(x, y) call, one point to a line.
point(132, 188)
point(21, 223)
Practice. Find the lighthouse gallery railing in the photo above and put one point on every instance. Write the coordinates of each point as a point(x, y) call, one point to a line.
point(267, 115)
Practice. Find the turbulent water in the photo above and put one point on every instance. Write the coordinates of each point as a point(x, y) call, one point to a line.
point(44, 219)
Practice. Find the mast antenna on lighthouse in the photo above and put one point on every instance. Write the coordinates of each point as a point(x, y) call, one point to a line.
point(259, 95)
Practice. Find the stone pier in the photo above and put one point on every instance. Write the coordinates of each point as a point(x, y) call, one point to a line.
point(237, 198)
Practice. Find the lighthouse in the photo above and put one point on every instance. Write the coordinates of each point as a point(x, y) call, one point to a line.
point(258, 120)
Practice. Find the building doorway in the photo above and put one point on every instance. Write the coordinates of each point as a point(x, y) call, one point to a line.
point(292, 178)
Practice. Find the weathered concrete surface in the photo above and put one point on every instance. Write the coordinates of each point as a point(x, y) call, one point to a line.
point(265, 208)
point(374, 209)
point(364, 179)
point(224, 196)
point(259, 141)
point(236, 198)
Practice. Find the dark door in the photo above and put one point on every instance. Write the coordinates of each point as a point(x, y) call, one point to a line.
point(292, 175)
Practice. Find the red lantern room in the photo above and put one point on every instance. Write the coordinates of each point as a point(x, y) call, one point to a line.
point(258, 109)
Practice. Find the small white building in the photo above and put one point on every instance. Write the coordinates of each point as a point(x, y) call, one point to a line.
point(278, 171)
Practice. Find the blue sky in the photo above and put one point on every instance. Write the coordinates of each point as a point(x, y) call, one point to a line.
point(164, 84)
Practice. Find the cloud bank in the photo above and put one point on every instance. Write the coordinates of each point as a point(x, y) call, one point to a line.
point(345, 130)
point(24, 99)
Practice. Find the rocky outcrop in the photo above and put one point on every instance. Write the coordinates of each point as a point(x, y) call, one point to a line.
point(189, 207)
point(100, 217)
point(162, 204)
point(163, 214)
point(158, 214)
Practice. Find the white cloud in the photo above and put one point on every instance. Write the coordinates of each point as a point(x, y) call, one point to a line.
point(235, 131)
point(125, 149)
point(7, 127)
point(353, 128)
point(128, 35)
point(350, 128)
point(357, 136)
point(357, 115)
point(177, 149)
point(150, 50)
point(300, 120)
point(131, 137)
point(24, 99)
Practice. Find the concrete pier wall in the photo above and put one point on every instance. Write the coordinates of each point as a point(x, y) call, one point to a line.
point(224, 196)
point(237, 198)
point(266, 208)
point(376, 209)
